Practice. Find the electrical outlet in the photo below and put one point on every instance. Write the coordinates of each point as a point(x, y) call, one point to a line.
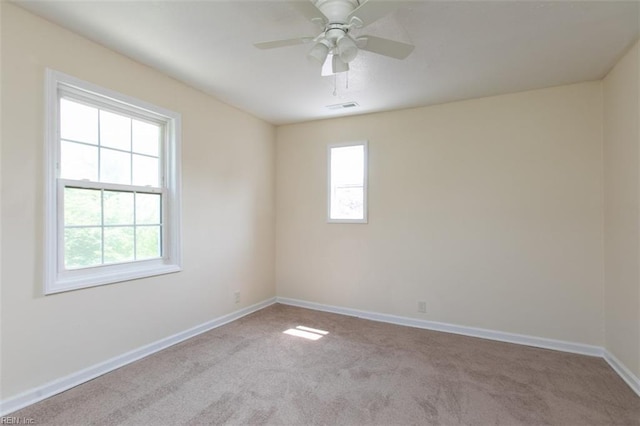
point(236, 296)
point(422, 307)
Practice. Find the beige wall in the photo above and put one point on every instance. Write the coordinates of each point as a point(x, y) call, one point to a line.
point(490, 210)
point(622, 210)
point(228, 214)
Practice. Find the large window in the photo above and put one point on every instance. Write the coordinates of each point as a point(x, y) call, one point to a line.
point(113, 180)
point(348, 183)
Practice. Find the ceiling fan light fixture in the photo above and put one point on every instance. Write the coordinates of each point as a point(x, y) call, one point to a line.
point(347, 49)
point(319, 52)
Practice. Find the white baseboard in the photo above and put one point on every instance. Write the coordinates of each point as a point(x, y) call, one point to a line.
point(60, 385)
point(623, 371)
point(500, 336)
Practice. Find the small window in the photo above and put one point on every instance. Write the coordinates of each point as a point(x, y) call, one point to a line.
point(113, 175)
point(348, 183)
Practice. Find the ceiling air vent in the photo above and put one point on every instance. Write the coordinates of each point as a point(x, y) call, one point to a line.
point(345, 105)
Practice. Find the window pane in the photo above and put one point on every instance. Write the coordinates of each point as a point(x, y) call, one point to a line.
point(78, 161)
point(78, 122)
point(347, 182)
point(145, 171)
point(118, 244)
point(146, 138)
point(347, 203)
point(82, 207)
point(115, 167)
point(118, 208)
point(148, 242)
point(347, 165)
point(82, 247)
point(115, 131)
point(148, 209)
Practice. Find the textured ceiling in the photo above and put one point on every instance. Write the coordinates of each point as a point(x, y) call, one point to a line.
point(463, 49)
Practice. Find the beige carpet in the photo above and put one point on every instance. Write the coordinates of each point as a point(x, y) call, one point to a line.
point(360, 373)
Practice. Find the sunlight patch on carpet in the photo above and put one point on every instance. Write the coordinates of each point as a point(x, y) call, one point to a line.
point(306, 332)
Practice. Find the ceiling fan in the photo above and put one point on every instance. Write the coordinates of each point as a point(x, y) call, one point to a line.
point(338, 18)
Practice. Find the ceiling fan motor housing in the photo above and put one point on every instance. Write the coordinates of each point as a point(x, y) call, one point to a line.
point(337, 11)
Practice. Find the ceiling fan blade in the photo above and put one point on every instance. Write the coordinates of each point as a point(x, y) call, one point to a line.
point(372, 10)
point(338, 65)
point(310, 11)
point(282, 43)
point(384, 46)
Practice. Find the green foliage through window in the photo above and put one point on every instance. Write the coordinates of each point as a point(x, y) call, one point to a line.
point(104, 226)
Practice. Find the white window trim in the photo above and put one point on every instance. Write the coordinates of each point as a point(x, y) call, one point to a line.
point(57, 280)
point(365, 218)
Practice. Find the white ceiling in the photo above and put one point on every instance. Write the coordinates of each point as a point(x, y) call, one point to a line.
point(464, 49)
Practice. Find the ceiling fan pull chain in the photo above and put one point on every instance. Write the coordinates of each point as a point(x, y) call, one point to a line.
point(335, 85)
point(346, 77)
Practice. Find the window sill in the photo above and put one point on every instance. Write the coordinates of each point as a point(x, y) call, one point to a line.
point(361, 221)
point(75, 280)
